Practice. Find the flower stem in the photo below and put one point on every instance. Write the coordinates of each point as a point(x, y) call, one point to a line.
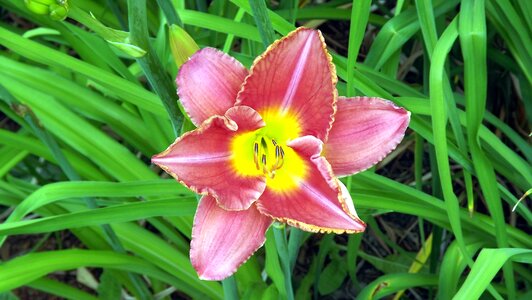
point(230, 289)
point(294, 243)
point(150, 64)
point(279, 231)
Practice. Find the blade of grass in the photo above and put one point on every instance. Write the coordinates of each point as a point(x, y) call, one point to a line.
point(452, 266)
point(326, 244)
point(219, 24)
point(357, 28)
point(64, 190)
point(430, 37)
point(272, 265)
point(488, 263)
point(157, 250)
point(106, 152)
point(398, 31)
point(427, 205)
point(391, 283)
point(139, 285)
point(107, 215)
point(473, 41)
point(10, 157)
point(504, 17)
point(439, 121)
point(127, 124)
point(24, 143)
point(27, 268)
point(262, 19)
point(60, 289)
point(134, 238)
point(128, 91)
point(278, 23)
point(170, 12)
point(230, 37)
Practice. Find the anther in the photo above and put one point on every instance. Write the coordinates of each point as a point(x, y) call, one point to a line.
point(264, 166)
point(264, 159)
point(277, 157)
point(264, 144)
point(256, 155)
point(281, 158)
point(260, 156)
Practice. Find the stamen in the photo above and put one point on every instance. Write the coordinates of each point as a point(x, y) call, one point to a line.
point(260, 156)
point(264, 165)
point(264, 144)
point(256, 155)
point(281, 158)
point(264, 159)
point(277, 157)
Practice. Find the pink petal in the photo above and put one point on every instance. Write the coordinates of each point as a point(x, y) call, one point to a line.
point(320, 203)
point(208, 84)
point(295, 76)
point(365, 130)
point(223, 240)
point(202, 160)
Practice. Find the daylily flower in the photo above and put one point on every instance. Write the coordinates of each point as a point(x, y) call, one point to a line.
point(270, 144)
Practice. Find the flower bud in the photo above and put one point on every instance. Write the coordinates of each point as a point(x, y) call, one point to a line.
point(56, 9)
point(38, 7)
point(181, 44)
point(58, 12)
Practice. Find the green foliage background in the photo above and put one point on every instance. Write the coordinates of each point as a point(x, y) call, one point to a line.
point(88, 114)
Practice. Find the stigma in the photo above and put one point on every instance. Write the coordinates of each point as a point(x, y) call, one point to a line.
point(268, 155)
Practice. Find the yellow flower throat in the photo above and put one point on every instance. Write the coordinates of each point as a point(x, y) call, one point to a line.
point(263, 152)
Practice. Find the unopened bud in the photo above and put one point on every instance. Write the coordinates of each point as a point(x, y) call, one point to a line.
point(58, 12)
point(181, 44)
point(38, 7)
point(56, 9)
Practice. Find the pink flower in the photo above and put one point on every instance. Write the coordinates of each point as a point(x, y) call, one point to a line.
point(269, 144)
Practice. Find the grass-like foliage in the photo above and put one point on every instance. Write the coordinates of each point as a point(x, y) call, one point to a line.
point(88, 95)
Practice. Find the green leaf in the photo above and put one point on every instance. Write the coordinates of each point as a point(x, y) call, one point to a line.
point(107, 215)
point(109, 287)
point(488, 263)
point(332, 277)
point(132, 50)
point(452, 266)
point(128, 91)
point(25, 269)
point(60, 289)
point(389, 284)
